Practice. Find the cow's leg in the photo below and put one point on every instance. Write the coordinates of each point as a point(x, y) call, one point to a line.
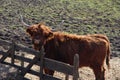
point(50, 72)
point(99, 72)
point(103, 73)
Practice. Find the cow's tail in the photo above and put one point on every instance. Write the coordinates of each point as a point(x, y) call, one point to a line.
point(108, 57)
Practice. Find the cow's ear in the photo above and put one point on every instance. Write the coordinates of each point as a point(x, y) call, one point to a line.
point(41, 24)
point(49, 35)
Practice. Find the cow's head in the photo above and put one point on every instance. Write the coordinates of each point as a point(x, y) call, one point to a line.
point(39, 34)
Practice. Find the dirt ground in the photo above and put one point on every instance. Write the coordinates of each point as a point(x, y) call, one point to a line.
point(8, 72)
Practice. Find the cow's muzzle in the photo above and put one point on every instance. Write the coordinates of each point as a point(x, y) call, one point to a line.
point(37, 44)
point(35, 41)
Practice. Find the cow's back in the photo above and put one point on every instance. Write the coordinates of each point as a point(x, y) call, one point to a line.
point(63, 48)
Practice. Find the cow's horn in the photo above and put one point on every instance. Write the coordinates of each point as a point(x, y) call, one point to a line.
point(23, 21)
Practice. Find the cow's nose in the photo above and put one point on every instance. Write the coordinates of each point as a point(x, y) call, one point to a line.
point(35, 41)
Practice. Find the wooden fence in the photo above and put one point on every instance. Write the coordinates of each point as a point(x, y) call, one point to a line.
point(38, 60)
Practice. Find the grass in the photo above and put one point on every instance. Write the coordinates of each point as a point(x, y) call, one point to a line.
point(80, 16)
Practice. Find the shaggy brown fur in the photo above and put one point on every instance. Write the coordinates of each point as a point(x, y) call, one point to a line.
point(93, 50)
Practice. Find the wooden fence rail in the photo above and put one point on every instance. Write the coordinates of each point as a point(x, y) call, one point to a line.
point(38, 60)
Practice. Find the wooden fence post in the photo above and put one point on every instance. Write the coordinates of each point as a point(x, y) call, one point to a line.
point(66, 77)
point(76, 67)
point(42, 63)
point(13, 52)
point(22, 61)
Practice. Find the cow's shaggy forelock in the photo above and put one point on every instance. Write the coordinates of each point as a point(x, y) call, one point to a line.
point(39, 34)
